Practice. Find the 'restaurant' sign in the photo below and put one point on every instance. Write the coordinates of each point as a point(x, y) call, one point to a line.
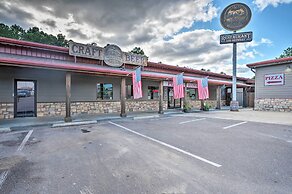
point(236, 37)
point(274, 79)
point(111, 54)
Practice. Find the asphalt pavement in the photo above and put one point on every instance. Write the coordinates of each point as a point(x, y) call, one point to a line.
point(172, 154)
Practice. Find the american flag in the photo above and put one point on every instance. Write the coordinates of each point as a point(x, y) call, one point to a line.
point(203, 89)
point(178, 86)
point(137, 83)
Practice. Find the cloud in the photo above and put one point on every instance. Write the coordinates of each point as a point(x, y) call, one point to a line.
point(127, 21)
point(9, 14)
point(266, 41)
point(76, 33)
point(262, 4)
point(50, 23)
point(145, 24)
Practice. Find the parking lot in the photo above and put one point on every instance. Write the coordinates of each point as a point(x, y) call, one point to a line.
point(181, 153)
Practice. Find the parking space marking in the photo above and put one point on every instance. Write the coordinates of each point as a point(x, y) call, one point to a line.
point(24, 141)
point(230, 126)
point(3, 175)
point(168, 145)
point(272, 136)
point(192, 121)
point(158, 119)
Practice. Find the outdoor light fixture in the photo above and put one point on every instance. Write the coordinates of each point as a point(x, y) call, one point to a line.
point(288, 69)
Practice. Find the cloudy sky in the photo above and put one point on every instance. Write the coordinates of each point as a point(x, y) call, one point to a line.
point(184, 32)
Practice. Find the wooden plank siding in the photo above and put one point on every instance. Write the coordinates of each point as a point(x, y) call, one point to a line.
point(281, 92)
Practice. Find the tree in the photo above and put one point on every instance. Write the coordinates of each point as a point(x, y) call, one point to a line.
point(137, 50)
point(33, 34)
point(287, 53)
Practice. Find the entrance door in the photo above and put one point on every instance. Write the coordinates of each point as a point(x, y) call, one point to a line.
point(25, 98)
point(173, 103)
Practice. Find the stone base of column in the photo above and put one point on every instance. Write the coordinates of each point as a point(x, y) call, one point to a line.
point(123, 115)
point(160, 112)
point(68, 119)
point(234, 106)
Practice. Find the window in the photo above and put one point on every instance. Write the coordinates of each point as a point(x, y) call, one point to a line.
point(153, 92)
point(104, 91)
point(129, 91)
point(192, 93)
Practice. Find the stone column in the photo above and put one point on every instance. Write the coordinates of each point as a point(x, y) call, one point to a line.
point(68, 97)
point(218, 96)
point(160, 97)
point(123, 97)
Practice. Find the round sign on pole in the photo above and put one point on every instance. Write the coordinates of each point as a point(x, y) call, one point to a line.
point(113, 55)
point(235, 16)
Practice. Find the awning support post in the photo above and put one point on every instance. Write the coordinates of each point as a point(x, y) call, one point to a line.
point(160, 97)
point(68, 97)
point(123, 97)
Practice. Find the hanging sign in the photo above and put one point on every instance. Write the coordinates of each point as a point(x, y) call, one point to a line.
point(236, 37)
point(111, 54)
point(235, 16)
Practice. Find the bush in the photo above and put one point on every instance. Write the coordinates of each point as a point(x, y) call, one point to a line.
point(206, 106)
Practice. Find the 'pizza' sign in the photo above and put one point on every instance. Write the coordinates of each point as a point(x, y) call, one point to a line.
point(274, 79)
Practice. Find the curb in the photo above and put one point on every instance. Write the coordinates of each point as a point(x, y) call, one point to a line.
point(5, 130)
point(73, 124)
point(146, 117)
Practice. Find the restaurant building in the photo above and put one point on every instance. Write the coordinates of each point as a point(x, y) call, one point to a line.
point(38, 80)
point(273, 85)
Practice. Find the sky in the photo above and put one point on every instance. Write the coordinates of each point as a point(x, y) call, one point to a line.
point(184, 33)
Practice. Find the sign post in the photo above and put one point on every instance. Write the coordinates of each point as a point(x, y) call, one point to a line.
point(235, 17)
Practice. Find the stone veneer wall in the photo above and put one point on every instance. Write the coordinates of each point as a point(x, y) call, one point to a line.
point(212, 103)
point(6, 110)
point(268, 104)
point(95, 107)
point(51, 109)
point(145, 105)
point(98, 107)
point(223, 102)
point(197, 103)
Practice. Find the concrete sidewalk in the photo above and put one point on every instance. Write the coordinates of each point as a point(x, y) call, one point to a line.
point(284, 118)
point(243, 114)
point(22, 123)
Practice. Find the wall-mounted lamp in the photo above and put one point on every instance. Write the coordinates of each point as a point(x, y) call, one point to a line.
point(288, 69)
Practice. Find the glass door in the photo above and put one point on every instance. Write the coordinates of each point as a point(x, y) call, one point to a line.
point(25, 98)
point(173, 103)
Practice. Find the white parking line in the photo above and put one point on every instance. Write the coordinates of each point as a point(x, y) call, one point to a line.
point(272, 136)
point(230, 126)
point(164, 118)
point(168, 145)
point(24, 141)
point(3, 175)
point(191, 121)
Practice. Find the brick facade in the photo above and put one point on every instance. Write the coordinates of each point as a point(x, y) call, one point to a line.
point(274, 104)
